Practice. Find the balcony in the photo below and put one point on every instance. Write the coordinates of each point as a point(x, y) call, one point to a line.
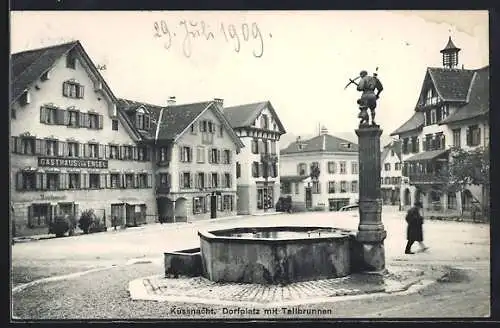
point(427, 178)
point(163, 189)
point(165, 164)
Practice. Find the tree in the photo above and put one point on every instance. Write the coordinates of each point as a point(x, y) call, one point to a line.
point(470, 167)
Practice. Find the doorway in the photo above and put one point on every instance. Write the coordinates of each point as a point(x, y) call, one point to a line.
point(213, 206)
point(308, 197)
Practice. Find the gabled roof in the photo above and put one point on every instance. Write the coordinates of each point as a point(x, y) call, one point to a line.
point(451, 84)
point(383, 155)
point(478, 98)
point(244, 115)
point(414, 123)
point(321, 143)
point(395, 146)
point(175, 120)
point(29, 66)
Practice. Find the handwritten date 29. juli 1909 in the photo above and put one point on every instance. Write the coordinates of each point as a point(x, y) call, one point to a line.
point(238, 35)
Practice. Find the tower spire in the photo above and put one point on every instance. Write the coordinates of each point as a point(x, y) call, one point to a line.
point(450, 54)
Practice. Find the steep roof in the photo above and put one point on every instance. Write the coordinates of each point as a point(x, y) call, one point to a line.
point(244, 115)
point(450, 46)
point(451, 84)
point(129, 108)
point(395, 146)
point(175, 119)
point(415, 122)
point(321, 143)
point(478, 99)
point(28, 66)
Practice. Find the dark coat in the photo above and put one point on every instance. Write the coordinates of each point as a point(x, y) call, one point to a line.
point(415, 221)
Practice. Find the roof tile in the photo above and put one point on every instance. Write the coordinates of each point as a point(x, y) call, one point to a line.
point(331, 143)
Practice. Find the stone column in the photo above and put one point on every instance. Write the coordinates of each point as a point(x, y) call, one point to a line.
point(371, 233)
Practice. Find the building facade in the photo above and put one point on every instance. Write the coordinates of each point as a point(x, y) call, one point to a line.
point(451, 111)
point(258, 176)
point(70, 149)
point(337, 183)
point(390, 176)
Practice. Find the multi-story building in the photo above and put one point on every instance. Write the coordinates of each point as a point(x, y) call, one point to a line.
point(194, 163)
point(258, 176)
point(390, 176)
point(338, 182)
point(71, 150)
point(451, 111)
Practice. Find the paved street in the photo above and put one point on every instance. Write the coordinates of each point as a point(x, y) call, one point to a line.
point(451, 243)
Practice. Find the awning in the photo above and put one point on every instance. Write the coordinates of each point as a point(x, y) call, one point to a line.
point(427, 155)
point(293, 178)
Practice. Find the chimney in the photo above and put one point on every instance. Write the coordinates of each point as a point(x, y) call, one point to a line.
point(171, 101)
point(220, 102)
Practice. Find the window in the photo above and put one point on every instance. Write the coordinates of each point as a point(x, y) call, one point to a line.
point(200, 180)
point(186, 154)
point(433, 116)
point(129, 180)
point(71, 60)
point(203, 126)
point(445, 111)
point(255, 146)
point(238, 170)
point(387, 180)
point(51, 147)
point(74, 180)
point(397, 166)
point(354, 168)
point(227, 180)
point(404, 147)
point(164, 179)
point(186, 180)
point(74, 116)
point(52, 181)
point(142, 181)
point(332, 167)
point(387, 166)
point(211, 127)
point(25, 98)
point(227, 203)
point(331, 187)
point(264, 122)
point(39, 215)
point(115, 180)
point(286, 188)
point(456, 138)
point(221, 131)
point(73, 149)
point(343, 186)
point(94, 181)
point(73, 90)
point(431, 97)
point(354, 186)
point(273, 147)
point(139, 121)
point(93, 121)
point(473, 135)
point(214, 156)
point(227, 157)
point(143, 153)
point(215, 180)
point(193, 128)
point(200, 154)
point(343, 167)
point(440, 141)
point(27, 180)
point(199, 205)
point(297, 188)
point(113, 152)
point(316, 187)
point(114, 125)
point(302, 169)
point(93, 150)
point(255, 170)
point(414, 145)
point(163, 154)
point(48, 115)
point(128, 153)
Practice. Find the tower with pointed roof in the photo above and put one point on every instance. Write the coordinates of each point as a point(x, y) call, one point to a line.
point(450, 54)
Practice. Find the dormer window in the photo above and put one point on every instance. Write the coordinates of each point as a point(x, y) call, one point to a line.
point(25, 98)
point(346, 145)
point(45, 76)
point(142, 120)
point(431, 97)
point(71, 60)
point(73, 89)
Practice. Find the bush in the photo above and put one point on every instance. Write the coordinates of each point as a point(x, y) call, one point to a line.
point(86, 220)
point(61, 225)
point(97, 226)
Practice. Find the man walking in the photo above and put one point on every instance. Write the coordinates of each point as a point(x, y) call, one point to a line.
point(414, 232)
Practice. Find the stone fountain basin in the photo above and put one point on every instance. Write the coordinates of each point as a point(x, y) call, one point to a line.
point(275, 255)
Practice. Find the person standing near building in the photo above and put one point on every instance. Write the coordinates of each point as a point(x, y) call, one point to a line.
point(414, 231)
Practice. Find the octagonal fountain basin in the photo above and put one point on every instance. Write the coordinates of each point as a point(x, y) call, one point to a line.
point(275, 255)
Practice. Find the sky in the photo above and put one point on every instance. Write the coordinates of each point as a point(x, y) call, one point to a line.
point(300, 60)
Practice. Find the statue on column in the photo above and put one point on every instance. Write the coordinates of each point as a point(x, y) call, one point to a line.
point(368, 99)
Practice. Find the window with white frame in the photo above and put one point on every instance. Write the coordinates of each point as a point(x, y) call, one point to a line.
point(354, 168)
point(343, 186)
point(343, 167)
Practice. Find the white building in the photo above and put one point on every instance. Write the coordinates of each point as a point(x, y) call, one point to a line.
point(337, 184)
point(259, 129)
point(451, 111)
point(390, 175)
